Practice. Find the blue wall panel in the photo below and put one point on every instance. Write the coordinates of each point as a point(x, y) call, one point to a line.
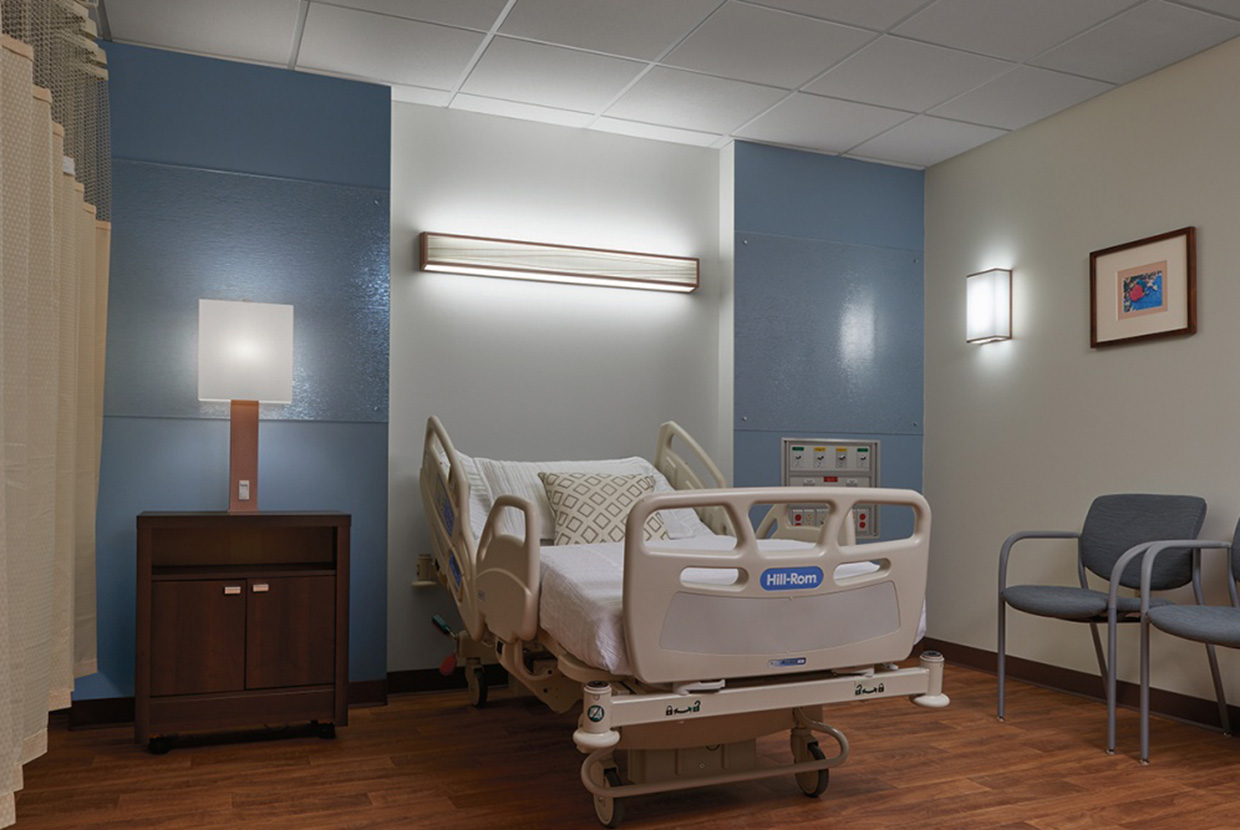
point(185, 234)
point(200, 112)
point(830, 334)
point(240, 182)
point(829, 321)
point(811, 196)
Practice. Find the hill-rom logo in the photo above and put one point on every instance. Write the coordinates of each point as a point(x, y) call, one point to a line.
point(791, 579)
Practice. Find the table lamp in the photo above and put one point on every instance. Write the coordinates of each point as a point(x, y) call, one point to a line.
point(245, 355)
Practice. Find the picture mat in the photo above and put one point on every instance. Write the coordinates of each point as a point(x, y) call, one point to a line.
point(1110, 326)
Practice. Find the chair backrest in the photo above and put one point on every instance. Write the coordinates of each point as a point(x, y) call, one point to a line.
point(1117, 522)
point(1235, 564)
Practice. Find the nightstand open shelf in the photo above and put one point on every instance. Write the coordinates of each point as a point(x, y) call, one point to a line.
point(242, 620)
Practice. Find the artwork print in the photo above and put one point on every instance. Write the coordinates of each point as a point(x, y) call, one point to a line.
point(1142, 290)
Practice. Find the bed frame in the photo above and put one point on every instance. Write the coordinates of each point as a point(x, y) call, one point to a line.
point(705, 685)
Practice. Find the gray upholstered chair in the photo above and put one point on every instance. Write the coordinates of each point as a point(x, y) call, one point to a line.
point(1209, 624)
point(1117, 529)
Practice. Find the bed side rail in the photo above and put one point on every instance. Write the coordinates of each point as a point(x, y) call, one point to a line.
point(509, 573)
point(783, 610)
point(681, 474)
point(445, 500)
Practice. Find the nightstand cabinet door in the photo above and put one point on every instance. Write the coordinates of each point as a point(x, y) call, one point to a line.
point(197, 636)
point(290, 639)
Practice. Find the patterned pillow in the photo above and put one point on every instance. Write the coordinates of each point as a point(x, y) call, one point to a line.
point(593, 507)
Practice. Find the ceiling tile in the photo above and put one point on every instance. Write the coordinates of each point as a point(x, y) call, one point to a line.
point(474, 14)
point(925, 140)
point(1020, 97)
point(823, 124)
point(766, 46)
point(865, 13)
point(516, 70)
point(633, 28)
point(907, 75)
point(1139, 41)
point(526, 112)
point(1010, 29)
point(615, 125)
point(1231, 8)
point(693, 102)
point(419, 95)
point(254, 30)
point(384, 48)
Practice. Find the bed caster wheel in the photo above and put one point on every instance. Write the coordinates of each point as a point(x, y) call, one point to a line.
point(610, 811)
point(814, 784)
point(476, 681)
point(326, 731)
point(159, 745)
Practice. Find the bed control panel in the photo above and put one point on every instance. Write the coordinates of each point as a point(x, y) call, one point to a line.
point(832, 462)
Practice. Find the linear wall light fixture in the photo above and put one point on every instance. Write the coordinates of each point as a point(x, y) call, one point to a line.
point(989, 306)
point(510, 259)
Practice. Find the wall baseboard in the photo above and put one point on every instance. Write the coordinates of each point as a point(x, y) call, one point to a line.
point(1181, 707)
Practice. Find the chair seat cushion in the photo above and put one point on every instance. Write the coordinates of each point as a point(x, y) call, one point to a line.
point(1203, 623)
point(1068, 603)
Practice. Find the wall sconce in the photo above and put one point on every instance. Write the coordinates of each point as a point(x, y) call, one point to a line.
point(245, 355)
point(556, 263)
point(989, 306)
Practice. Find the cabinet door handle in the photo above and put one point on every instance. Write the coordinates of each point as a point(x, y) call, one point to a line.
point(232, 589)
point(260, 587)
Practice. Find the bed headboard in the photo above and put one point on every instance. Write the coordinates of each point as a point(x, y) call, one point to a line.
point(681, 474)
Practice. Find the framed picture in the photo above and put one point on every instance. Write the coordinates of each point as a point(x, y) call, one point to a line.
point(1144, 289)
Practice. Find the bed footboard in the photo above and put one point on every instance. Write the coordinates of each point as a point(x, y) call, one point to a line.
point(784, 610)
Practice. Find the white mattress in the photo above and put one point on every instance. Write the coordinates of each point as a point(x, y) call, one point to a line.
point(581, 602)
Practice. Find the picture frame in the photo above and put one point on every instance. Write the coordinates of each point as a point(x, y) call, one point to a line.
point(1144, 290)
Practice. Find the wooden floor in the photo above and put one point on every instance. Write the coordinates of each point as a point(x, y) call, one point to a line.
point(431, 761)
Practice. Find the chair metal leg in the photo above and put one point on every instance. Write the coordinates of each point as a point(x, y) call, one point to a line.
point(1002, 649)
point(1109, 671)
point(1145, 691)
point(1219, 695)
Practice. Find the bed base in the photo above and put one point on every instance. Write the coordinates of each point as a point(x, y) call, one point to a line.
point(666, 755)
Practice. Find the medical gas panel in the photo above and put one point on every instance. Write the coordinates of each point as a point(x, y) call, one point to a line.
point(832, 462)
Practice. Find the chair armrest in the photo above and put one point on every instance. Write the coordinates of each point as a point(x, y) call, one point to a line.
point(1006, 550)
point(1113, 581)
point(1155, 548)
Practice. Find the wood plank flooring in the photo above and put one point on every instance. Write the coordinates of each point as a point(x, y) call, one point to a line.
point(431, 761)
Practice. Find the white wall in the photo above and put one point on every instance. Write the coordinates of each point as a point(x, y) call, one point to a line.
point(1023, 434)
point(538, 371)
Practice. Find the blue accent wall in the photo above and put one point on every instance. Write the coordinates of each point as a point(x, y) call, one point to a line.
point(829, 320)
point(233, 181)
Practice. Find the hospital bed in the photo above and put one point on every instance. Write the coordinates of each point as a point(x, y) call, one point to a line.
point(682, 651)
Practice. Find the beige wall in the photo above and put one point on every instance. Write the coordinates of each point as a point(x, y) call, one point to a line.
point(1023, 434)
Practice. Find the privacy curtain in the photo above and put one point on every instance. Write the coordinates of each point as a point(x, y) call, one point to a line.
point(54, 250)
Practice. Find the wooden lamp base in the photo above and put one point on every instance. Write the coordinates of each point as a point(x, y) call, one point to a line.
point(243, 457)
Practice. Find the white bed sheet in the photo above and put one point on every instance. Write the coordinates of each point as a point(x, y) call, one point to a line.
point(581, 602)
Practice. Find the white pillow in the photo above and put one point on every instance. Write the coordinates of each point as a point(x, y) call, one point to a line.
point(520, 478)
point(479, 495)
point(594, 507)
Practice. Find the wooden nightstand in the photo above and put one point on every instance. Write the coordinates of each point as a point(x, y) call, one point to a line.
point(242, 620)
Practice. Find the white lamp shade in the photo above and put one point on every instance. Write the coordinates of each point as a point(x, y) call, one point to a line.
point(245, 351)
point(989, 306)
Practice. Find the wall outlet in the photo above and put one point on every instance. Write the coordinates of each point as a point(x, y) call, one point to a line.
point(243, 490)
